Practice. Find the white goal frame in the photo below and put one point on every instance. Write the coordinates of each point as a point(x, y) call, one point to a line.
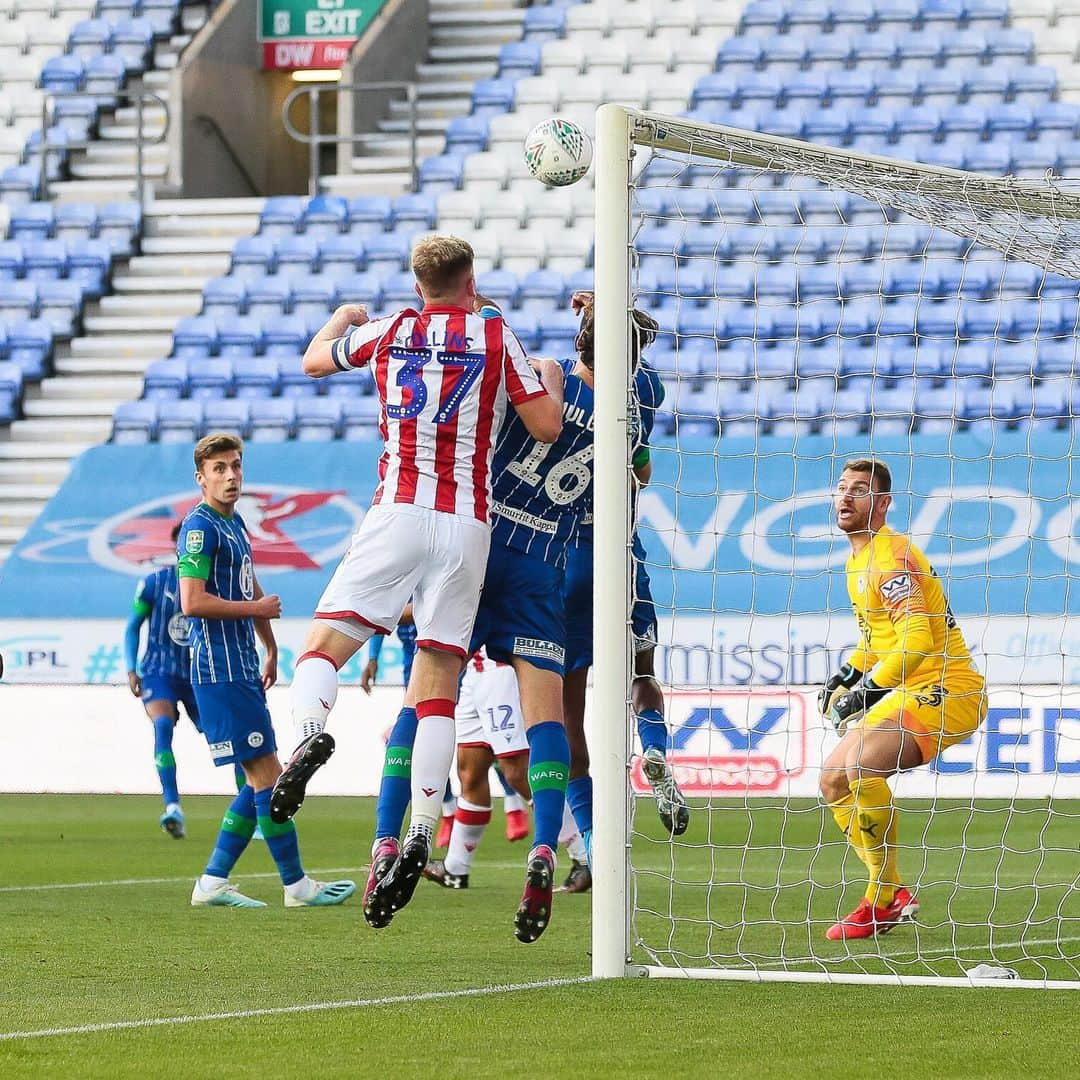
point(618, 131)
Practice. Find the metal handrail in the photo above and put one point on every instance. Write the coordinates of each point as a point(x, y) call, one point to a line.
point(139, 97)
point(209, 124)
point(315, 139)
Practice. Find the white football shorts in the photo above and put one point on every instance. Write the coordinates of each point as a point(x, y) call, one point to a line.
point(401, 553)
point(489, 708)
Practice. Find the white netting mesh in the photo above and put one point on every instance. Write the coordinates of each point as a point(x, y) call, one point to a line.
point(814, 306)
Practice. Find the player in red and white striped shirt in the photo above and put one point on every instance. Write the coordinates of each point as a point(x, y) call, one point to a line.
point(445, 377)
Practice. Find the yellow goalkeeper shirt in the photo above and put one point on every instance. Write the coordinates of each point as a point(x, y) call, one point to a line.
point(905, 626)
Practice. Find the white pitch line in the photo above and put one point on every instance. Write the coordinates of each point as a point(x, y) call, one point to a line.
point(285, 1010)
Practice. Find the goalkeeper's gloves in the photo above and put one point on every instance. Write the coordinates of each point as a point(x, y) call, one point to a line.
point(850, 706)
point(846, 677)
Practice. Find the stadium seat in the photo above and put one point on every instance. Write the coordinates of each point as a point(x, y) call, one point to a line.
point(297, 255)
point(135, 422)
point(369, 214)
point(45, 260)
point(75, 221)
point(441, 173)
point(60, 305)
point(467, 134)
point(360, 417)
point(388, 252)
point(240, 335)
point(272, 419)
point(363, 288)
point(227, 414)
point(324, 216)
point(32, 221)
point(30, 345)
point(520, 58)
point(281, 215)
point(313, 295)
point(544, 23)
point(119, 225)
point(491, 96)
point(210, 378)
point(161, 14)
point(195, 337)
point(12, 260)
point(166, 380)
point(284, 335)
point(417, 211)
point(180, 422)
point(104, 77)
point(63, 75)
point(293, 382)
point(224, 296)
point(131, 41)
point(341, 256)
point(318, 418)
point(399, 290)
point(268, 296)
point(90, 37)
point(1032, 85)
point(1057, 119)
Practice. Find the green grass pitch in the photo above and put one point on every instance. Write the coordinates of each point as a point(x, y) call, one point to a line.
point(135, 950)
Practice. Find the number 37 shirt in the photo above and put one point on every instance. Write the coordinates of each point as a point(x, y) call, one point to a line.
point(444, 378)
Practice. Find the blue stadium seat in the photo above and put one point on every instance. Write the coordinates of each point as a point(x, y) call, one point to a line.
point(75, 221)
point(986, 13)
point(30, 345)
point(877, 123)
point(360, 417)
point(544, 23)
point(89, 37)
point(325, 216)
point(468, 134)
point(1032, 84)
point(63, 75)
point(399, 290)
point(132, 40)
point(944, 86)
point(492, 96)
point(284, 335)
point(1033, 160)
point(341, 256)
point(281, 215)
point(542, 290)
point(180, 421)
point(60, 305)
point(210, 378)
point(1056, 358)
point(104, 78)
point(526, 325)
point(917, 51)
point(702, 242)
point(743, 53)
point(765, 18)
point(520, 58)
point(32, 221)
point(872, 50)
point(319, 418)
point(119, 225)
point(195, 336)
point(77, 117)
point(720, 87)
point(11, 390)
point(269, 296)
point(45, 260)
point(986, 85)
point(941, 14)
point(920, 121)
point(501, 286)
point(166, 380)
point(822, 51)
point(898, 87)
point(240, 335)
point(294, 383)
point(993, 159)
point(19, 184)
point(1010, 361)
point(313, 296)
point(1057, 119)
point(297, 255)
point(161, 14)
point(360, 289)
point(135, 422)
point(416, 211)
point(1051, 405)
point(227, 414)
point(12, 260)
point(855, 87)
point(726, 283)
point(964, 122)
point(694, 204)
point(358, 383)
point(829, 126)
point(272, 419)
point(369, 214)
point(804, 89)
point(388, 252)
point(961, 48)
point(557, 332)
point(441, 173)
point(224, 296)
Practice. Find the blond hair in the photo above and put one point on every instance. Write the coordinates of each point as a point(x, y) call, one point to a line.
point(880, 477)
point(439, 264)
point(219, 442)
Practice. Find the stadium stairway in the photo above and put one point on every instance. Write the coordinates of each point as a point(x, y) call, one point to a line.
point(466, 36)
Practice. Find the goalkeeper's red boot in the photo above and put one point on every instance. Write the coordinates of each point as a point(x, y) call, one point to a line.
point(517, 825)
point(446, 827)
point(904, 906)
point(866, 921)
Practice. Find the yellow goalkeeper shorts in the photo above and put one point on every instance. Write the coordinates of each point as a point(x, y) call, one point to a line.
point(937, 717)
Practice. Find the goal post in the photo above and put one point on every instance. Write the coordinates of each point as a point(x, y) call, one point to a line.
point(748, 895)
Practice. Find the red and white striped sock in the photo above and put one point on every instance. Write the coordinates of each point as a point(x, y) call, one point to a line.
point(470, 821)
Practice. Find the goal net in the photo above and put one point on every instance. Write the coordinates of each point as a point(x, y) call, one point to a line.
point(817, 305)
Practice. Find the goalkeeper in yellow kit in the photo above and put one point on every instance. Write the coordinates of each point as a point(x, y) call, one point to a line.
point(909, 690)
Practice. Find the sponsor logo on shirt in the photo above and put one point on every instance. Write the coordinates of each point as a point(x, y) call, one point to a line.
point(897, 588)
point(221, 749)
point(548, 650)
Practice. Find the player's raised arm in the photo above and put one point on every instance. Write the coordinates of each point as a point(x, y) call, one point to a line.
point(319, 359)
point(542, 414)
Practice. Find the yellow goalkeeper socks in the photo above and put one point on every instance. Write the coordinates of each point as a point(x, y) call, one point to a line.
point(875, 825)
point(843, 811)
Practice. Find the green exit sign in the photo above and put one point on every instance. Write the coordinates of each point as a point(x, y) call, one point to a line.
point(312, 33)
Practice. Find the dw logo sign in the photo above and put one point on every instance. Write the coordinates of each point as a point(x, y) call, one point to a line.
point(747, 742)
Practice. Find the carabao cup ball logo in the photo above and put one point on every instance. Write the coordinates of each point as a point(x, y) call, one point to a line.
point(289, 529)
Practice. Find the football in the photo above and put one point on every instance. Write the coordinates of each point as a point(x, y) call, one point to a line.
point(558, 152)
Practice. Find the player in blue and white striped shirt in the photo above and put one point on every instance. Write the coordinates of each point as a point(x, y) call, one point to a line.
point(223, 598)
point(163, 677)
